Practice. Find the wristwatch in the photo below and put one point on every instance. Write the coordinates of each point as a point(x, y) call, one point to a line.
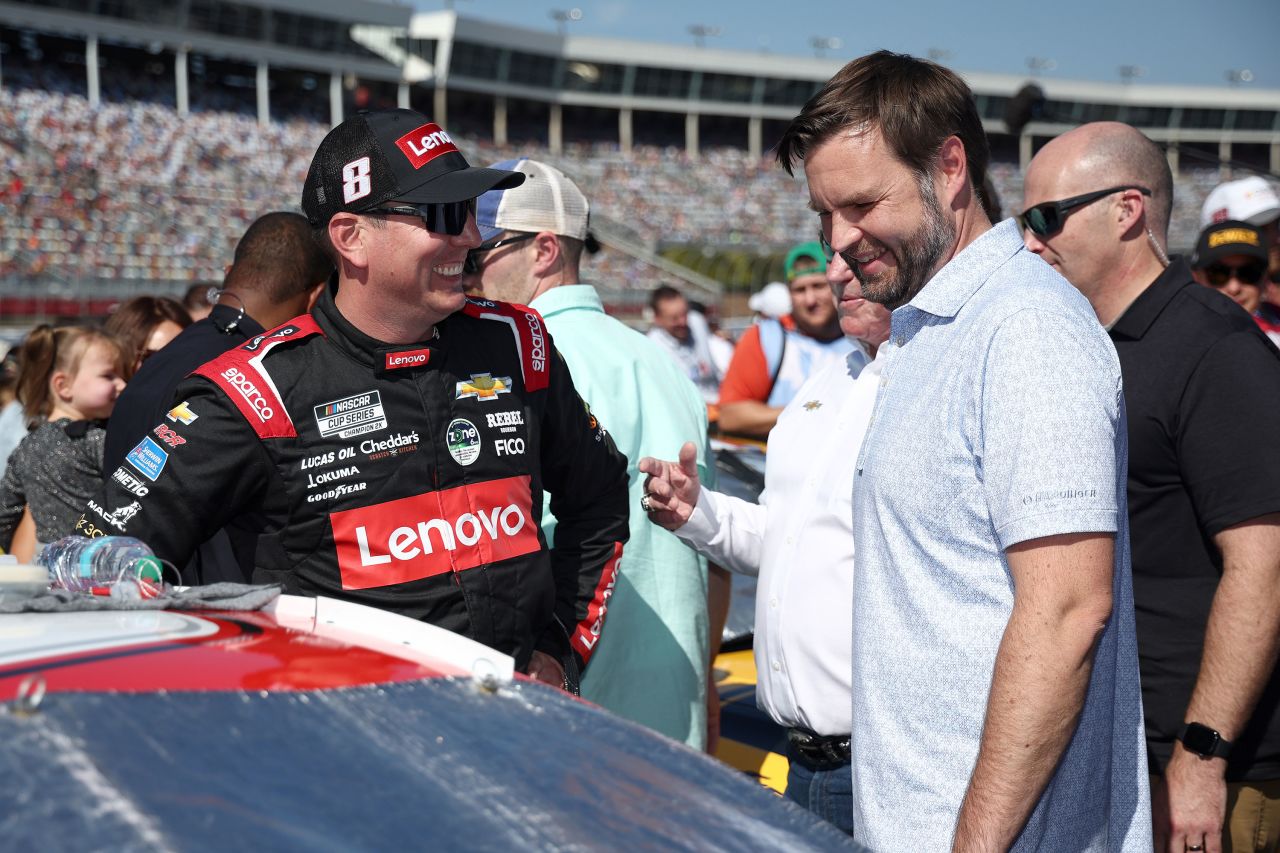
point(1204, 741)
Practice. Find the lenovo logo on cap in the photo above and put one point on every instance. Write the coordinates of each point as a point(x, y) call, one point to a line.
point(424, 144)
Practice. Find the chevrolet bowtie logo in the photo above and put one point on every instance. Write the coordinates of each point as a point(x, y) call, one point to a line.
point(812, 405)
point(181, 413)
point(484, 387)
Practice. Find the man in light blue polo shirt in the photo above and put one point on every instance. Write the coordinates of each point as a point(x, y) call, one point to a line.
point(995, 684)
point(651, 664)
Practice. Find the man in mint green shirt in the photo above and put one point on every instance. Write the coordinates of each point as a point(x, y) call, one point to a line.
point(652, 659)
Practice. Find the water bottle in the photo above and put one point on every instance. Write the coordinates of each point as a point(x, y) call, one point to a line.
point(96, 565)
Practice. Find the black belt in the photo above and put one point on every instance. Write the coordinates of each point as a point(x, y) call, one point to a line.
point(817, 752)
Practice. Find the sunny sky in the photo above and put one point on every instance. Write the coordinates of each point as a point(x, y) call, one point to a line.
point(1190, 42)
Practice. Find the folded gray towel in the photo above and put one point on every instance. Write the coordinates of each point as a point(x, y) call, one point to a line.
point(217, 596)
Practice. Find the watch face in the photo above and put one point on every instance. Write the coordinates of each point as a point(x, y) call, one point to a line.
point(1200, 739)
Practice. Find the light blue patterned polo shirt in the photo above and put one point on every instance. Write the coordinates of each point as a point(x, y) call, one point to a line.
point(1000, 419)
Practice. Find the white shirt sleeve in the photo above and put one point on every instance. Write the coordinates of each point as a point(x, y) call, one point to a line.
point(727, 530)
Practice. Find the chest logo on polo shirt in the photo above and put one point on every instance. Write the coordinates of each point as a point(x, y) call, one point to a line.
point(351, 416)
point(813, 405)
point(483, 386)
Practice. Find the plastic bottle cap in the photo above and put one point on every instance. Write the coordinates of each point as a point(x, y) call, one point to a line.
point(149, 569)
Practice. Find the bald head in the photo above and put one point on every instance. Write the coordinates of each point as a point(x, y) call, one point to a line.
point(1111, 154)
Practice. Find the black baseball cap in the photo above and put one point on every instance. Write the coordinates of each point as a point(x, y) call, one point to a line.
point(1232, 237)
point(381, 155)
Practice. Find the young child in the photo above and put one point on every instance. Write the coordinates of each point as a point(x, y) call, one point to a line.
point(69, 380)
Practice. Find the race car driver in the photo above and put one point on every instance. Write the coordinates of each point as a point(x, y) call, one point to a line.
point(391, 447)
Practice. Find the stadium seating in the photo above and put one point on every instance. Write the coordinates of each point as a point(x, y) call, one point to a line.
point(131, 192)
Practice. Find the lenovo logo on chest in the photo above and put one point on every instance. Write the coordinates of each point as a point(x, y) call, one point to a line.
point(423, 144)
point(434, 533)
point(407, 358)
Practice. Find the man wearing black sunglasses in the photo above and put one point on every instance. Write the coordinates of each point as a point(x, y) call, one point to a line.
point(1202, 390)
point(391, 447)
point(1231, 256)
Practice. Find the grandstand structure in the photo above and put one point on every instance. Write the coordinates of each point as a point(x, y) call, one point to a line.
point(141, 136)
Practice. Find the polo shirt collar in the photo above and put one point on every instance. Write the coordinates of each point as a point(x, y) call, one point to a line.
point(947, 292)
point(568, 297)
point(1144, 310)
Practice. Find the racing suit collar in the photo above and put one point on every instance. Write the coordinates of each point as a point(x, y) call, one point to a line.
point(350, 340)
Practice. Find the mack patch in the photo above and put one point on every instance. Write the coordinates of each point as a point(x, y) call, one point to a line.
point(482, 386)
point(424, 144)
point(463, 440)
point(351, 416)
point(434, 533)
point(182, 414)
point(149, 458)
point(119, 517)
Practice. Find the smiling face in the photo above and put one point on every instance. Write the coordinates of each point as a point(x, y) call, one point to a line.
point(95, 383)
point(860, 318)
point(885, 222)
point(418, 269)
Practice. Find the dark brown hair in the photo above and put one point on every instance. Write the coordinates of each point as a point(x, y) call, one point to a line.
point(916, 105)
point(135, 319)
point(47, 350)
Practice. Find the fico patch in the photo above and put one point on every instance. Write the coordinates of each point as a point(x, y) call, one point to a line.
point(463, 440)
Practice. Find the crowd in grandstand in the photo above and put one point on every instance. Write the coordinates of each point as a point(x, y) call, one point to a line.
point(130, 191)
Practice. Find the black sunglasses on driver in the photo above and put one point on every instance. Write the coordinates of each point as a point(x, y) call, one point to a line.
point(440, 217)
point(1047, 218)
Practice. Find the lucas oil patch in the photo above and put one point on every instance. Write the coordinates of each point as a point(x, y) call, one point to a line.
point(463, 440)
point(351, 416)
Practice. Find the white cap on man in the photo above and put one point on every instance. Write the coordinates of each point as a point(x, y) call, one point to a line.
point(1250, 200)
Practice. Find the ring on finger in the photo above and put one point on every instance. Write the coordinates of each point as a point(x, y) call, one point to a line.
point(644, 503)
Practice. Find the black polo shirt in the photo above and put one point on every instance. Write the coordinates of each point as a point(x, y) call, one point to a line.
point(1202, 393)
point(145, 402)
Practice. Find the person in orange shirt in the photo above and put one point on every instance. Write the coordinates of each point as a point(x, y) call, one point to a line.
point(776, 355)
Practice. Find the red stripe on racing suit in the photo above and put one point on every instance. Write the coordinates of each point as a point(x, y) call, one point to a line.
point(587, 633)
point(530, 332)
point(239, 373)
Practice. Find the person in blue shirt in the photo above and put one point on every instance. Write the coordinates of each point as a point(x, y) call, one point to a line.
point(651, 665)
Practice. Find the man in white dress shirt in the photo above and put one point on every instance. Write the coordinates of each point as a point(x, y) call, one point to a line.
point(799, 539)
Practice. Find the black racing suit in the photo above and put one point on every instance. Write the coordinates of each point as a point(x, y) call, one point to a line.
point(407, 477)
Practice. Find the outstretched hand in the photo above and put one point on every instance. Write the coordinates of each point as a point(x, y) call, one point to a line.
point(672, 487)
